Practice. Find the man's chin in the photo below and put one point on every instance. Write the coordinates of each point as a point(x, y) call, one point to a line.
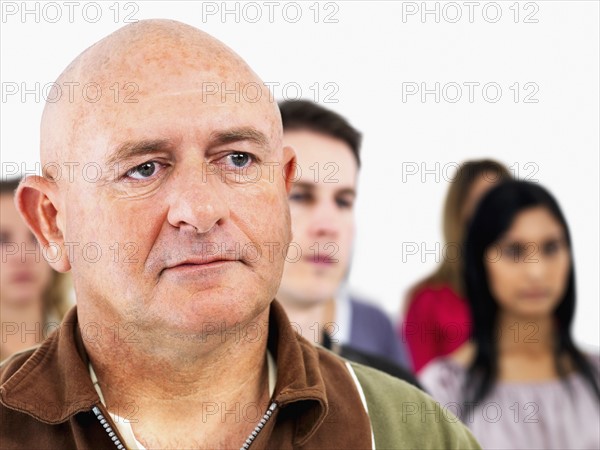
point(188, 312)
point(22, 299)
point(307, 299)
point(216, 328)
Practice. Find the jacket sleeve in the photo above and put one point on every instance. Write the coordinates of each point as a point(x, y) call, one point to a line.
point(403, 416)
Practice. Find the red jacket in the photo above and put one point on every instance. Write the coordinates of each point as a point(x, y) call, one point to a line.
point(437, 322)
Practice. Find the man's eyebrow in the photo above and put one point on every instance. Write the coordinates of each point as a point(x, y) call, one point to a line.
point(347, 191)
point(133, 148)
point(304, 185)
point(240, 134)
point(311, 186)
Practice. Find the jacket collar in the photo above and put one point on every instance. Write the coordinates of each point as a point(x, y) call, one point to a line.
point(53, 383)
point(299, 380)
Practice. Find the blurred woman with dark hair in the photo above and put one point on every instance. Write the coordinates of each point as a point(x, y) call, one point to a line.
point(521, 382)
point(33, 297)
point(437, 319)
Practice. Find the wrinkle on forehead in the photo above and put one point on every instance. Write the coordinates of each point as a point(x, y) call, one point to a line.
point(161, 57)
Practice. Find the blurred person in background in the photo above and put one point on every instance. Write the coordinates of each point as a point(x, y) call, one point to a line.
point(437, 319)
point(33, 297)
point(313, 290)
point(520, 382)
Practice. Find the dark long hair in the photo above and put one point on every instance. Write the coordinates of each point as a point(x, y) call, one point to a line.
point(493, 217)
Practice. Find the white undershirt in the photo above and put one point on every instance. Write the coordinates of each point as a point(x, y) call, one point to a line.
point(124, 425)
point(343, 316)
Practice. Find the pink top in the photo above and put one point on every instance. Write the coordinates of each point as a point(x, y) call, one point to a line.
point(553, 414)
point(438, 321)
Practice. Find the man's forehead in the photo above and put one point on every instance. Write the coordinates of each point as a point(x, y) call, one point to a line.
point(323, 161)
point(325, 176)
point(180, 114)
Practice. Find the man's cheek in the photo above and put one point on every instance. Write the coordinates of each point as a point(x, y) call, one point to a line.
point(264, 221)
point(95, 251)
point(265, 192)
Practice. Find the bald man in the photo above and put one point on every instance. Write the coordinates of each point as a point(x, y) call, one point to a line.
point(176, 241)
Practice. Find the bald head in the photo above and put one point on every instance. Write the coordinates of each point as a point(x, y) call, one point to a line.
point(148, 58)
point(173, 149)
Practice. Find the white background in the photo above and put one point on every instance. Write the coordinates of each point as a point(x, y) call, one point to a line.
point(368, 54)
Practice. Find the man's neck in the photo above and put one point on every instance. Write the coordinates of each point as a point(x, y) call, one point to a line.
point(309, 319)
point(187, 393)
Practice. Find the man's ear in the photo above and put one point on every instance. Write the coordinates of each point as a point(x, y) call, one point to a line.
point(289, 167)
point(36, 199)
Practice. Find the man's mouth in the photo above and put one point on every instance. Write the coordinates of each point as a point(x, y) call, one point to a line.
point(198, 263)
point(320, 260)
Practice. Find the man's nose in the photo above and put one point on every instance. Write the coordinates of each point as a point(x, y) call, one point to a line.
point(325, 220)
point(197, 200)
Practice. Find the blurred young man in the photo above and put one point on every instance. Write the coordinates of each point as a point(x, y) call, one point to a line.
point(313, 290)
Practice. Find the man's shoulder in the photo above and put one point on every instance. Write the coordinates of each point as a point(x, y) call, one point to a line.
point(379, 383)
point(403, 416)
point(368, 311)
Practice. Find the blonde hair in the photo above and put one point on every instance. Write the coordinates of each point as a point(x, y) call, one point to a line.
point(56, 299)
point(450, 269)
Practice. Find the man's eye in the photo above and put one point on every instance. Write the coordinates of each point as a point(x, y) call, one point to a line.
point(300, 197)
point(143, 171)
point(344, 203)
point(240, 160)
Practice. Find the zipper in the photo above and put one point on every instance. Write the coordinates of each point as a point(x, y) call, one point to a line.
point(109, 430)
point(259, 427)
point(113, 436)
